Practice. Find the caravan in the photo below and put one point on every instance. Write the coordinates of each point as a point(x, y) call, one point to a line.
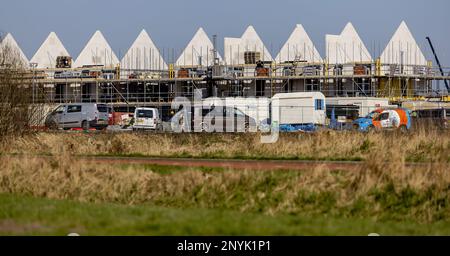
point(298, 111)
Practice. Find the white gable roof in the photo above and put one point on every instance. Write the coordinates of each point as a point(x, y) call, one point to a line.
point(200, 47)
point(403, 44)
point(97, 52)
point(234, 48)
point(299, 47)
point(251, 41)
point(346, 47)
point(46, 55)
point(143, 54)
point(10, 43)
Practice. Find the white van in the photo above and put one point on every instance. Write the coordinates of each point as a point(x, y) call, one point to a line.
point(147, 119)
point(75, 115)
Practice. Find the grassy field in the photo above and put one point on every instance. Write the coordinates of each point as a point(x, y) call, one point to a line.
point(22, 215)
point(420, 146)
point(62, 194)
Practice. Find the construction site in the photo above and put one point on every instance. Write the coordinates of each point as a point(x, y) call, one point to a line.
point(246, 69)
point(326, 128)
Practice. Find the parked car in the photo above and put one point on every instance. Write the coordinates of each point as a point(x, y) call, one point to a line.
point(76, 115)
point(384, 119)
point(237, 120)
point(428, 118)
point(146, 119)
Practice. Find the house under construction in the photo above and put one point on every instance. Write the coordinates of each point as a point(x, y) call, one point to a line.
point(246, 69)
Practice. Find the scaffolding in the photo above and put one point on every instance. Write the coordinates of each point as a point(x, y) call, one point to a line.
point(157, 86)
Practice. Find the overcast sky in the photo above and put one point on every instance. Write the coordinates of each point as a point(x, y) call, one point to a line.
point(171, 24)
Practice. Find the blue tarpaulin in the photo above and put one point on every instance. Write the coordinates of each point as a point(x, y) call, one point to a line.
point(297, 127)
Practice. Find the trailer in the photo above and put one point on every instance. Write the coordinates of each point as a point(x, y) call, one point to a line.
point(298, 111)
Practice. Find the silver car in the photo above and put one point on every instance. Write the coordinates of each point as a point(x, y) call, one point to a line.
point(79, 115)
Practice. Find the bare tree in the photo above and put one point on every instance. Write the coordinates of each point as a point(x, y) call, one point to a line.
point(16, 104)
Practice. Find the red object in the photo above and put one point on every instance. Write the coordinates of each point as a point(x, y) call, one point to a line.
point(262, 72)
point(111, 118)
point(117, 117)
point(79, 129)
point(183, 73)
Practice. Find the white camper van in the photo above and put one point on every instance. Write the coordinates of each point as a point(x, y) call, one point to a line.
point(300, 108)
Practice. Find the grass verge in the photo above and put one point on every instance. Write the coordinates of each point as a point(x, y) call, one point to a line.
point(22, 215)
point(420, 146)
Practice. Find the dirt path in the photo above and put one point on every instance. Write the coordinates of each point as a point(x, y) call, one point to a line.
point(232, 163)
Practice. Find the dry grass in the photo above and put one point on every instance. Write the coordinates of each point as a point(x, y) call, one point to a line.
point(426, 146)
point(383, 188)
point(386, 190)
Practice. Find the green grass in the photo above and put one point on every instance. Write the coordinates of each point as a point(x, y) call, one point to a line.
point(219, 156)
point(169, 169)
point(20, 215)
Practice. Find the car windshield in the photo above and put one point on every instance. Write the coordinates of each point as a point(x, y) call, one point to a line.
point(144, 113)
point(382, 116)
point(372, 115)
point(238, 112)
point(59, 109)
point(102, 108)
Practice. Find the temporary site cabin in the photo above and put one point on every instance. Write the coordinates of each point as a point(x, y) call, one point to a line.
point(198, 52)
point(402, 53)
point(365, 104)
point(97, 52)
point(51, 48)
point(15, 54)
point(238, 50)
point(299, 47)
point(298, 108)
point(143, 57)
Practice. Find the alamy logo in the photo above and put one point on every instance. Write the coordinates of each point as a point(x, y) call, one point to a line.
point(223, 115)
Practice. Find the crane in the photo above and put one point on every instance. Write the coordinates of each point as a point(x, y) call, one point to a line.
point(439, 63)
